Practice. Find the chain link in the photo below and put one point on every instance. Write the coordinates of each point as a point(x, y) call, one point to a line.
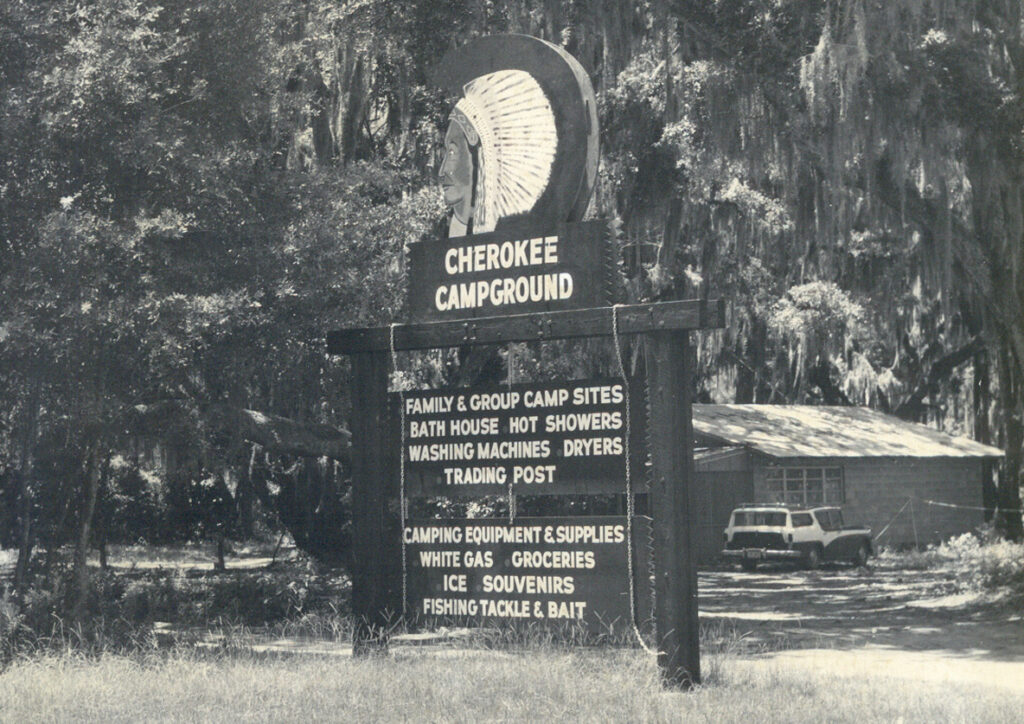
point(629, 483)
point(510, 359)
point(402, 503)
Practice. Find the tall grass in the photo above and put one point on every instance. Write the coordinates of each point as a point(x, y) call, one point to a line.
point(121, 668)
point(477, 685)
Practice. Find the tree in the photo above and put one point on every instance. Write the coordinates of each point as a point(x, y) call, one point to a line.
point(168, 250)
point(874, 148)
point(194, 193)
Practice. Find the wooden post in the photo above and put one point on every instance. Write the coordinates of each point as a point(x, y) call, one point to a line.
point(677, 633)
point(370, 471)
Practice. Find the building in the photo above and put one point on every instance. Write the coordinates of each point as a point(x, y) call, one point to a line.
point(907, 482)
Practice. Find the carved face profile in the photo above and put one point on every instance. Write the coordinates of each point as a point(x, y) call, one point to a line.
point(457, 171)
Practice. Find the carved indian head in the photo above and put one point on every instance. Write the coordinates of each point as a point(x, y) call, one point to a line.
point(499, 149)
point(522, 141)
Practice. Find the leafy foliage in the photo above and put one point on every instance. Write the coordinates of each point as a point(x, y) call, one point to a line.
point(193, 193)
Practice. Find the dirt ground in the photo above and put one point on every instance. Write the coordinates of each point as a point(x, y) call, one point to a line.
point(908, 624)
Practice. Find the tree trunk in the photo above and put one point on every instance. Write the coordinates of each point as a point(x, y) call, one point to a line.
point(353, 104)
point(25, 544)
point(102, 520)
point(750, 359)
point(244, 497)
point(981, 399)
point(66, 493)
point(25, 490)
point(1009, 520)
point(220, 565)
point(96, 474)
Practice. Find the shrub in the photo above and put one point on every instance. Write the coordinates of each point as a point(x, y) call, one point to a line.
point(122, 607)
point(978, 561)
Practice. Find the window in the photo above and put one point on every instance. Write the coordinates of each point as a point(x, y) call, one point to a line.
point(801, 519)
point(805, 486)
point(829, 519)
point(758, 517)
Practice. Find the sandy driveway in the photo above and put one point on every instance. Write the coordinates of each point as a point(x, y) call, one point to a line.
point(907, 624)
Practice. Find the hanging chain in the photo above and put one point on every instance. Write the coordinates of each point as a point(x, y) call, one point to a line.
point(629, 483)
point(510, 364)
point(402, 507)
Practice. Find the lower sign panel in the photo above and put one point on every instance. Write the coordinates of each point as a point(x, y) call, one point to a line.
point(552, 570)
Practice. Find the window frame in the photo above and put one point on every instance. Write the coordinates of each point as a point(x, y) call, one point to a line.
point(789, 484)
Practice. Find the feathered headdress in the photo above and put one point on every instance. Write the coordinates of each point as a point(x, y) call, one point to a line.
point(511, 115)
point(559, 87)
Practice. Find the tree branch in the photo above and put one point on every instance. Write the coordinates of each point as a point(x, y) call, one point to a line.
point(276, 434)
point(913, 405)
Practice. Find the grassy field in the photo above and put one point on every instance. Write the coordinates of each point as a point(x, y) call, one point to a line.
point(535, 685)
point(485, 678)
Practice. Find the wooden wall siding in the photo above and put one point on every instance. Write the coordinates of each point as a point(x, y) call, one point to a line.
point(723, 480)
point(730, 458)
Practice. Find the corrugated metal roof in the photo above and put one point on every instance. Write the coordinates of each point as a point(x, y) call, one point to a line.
point(834, 432)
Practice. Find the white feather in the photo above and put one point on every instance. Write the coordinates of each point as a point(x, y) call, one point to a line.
point(518, 142)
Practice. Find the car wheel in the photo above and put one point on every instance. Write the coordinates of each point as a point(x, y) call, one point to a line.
point(748, 566)
point(861, 558)
point(812, 559)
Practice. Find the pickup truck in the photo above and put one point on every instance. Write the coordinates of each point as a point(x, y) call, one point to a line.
point(806, 534)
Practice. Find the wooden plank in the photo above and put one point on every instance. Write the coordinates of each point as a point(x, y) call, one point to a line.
point(670, 428)
point(372, 463)
point(431, 485)
point(632, 319)
point(515, 271)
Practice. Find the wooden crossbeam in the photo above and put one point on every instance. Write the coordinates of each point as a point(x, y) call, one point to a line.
point(688, 314)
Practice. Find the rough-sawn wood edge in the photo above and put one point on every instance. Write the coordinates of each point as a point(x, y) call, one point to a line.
point(687, 314)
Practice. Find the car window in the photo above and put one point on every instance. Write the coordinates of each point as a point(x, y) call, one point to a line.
point(801, 519)
point(824, 519)
point(837, 518)
point(759, 517)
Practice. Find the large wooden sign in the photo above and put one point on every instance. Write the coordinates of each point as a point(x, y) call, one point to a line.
point(511, 272)
point(568, 570)
point(543, 438)
point(518, 168)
